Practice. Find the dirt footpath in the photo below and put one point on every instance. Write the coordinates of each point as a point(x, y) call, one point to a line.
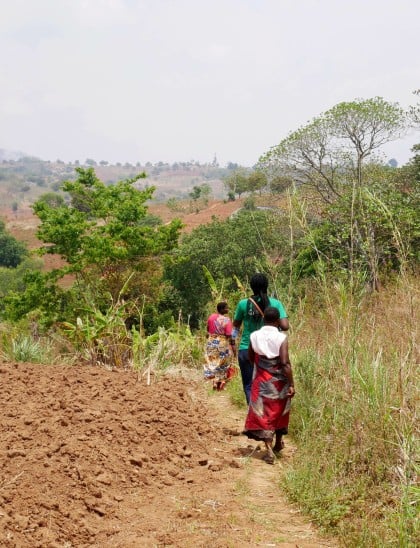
point(90, 457)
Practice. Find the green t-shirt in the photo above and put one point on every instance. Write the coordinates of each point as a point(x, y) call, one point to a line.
point(251, 319)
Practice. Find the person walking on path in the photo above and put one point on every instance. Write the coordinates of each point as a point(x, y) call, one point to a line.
point(249, 314)
point(272, 385)
point(220, 347)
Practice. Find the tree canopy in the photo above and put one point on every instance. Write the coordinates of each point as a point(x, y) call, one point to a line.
point(229, 249)
point(328, 153)
point(106, 237)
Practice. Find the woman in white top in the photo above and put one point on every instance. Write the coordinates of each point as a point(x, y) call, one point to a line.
point(272, 385)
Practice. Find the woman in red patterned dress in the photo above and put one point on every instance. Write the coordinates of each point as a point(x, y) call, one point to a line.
point(220, 347)
point(272, 385)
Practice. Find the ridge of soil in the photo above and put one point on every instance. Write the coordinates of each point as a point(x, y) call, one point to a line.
point(92, 457)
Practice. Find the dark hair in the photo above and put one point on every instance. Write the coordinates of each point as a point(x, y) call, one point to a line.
point(259, 285)
point(271, 314)
point(221, 307)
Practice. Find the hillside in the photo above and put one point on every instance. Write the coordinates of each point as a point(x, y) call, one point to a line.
point(22, 181)
point(22, 223)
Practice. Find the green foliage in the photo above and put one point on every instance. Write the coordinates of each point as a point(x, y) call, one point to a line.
point(236, 392)
point(200, 193)
point(328, 154)
point(105, 235)
point(195, 194)
point(24, 348)
point(280, 183)
point(235, 247)
point(164, 350)
point(237, 182)
point(367, 231)
point(102, 225)
point(37, 291)
point(12, 279)
point(257, 181)
point(249, 203)
point(243, 180)
point(12, 252)
point(100, 337)
point(103, 338)
point(353, 416)
point(52, 199)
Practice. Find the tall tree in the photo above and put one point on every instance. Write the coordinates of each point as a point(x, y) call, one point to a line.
point(366, 126)
point(257, 181)
point(329, 153)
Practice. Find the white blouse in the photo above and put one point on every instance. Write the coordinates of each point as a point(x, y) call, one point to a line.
point(267, 341)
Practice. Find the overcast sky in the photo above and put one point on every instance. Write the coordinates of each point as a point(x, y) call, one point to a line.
point(180, 80)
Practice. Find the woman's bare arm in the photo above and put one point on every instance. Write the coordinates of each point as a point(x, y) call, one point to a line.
point(284, 324)
point(287, 366)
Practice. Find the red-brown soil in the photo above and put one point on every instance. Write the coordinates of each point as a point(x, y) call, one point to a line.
point(215, 208)
point(92, 457)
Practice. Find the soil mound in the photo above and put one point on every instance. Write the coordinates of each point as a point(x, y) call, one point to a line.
point(79, 446)
point(91, 457)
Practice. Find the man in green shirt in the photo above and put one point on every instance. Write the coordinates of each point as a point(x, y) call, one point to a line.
point(249, 314)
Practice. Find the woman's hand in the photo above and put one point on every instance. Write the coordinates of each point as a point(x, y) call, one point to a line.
point(291, 392)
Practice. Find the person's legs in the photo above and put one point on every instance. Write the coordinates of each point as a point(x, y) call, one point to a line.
point(246, 368)
point(279, 444)
point(269, 456)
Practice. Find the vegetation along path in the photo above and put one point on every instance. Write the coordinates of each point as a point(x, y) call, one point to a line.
point(92, 457)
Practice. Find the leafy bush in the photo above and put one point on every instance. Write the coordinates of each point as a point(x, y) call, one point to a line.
point(230, 249)
point(12, 252)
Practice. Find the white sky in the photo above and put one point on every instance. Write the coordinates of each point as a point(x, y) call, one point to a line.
point(180, 80)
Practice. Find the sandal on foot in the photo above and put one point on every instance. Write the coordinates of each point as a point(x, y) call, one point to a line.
point(277, 451)
point(269, 459)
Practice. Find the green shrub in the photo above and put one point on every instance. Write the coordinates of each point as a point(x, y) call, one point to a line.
point(24, 348)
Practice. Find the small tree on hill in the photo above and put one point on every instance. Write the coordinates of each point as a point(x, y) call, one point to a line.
point(237, 183)
point(12, 252)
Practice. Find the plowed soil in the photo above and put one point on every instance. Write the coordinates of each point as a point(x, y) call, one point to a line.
point(92, 457)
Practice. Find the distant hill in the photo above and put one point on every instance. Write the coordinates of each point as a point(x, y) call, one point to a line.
point(23, 179)
point(10, 155)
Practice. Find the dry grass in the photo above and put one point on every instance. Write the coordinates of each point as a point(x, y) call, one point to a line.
point(355, 360)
